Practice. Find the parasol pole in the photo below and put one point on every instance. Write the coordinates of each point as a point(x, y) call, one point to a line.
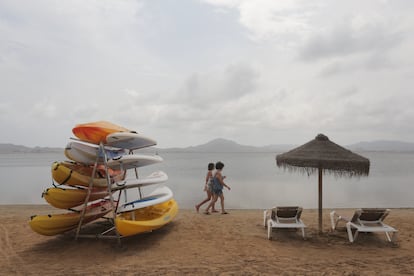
point(320, 199)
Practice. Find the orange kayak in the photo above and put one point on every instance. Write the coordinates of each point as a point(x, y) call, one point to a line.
point(96, 132)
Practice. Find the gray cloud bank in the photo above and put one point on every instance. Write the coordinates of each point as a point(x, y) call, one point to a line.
point(273, 72)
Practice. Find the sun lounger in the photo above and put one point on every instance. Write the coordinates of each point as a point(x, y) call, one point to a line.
point(283, 217)
point(365, 220)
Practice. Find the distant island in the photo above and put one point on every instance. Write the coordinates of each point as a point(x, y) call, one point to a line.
point(224, 145)
point(383, 145)
point(11, 148)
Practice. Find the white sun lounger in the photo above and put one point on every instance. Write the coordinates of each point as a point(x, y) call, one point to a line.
point(283, 217)
point(365, 220)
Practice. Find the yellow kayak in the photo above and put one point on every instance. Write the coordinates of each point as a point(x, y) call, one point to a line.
point(50, 225)
point(96, 132)
point(146, 219)
point(65, 198)
point(79, 175)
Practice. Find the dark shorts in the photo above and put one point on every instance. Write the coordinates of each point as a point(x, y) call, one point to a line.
point(218, 192)
point(217, 187)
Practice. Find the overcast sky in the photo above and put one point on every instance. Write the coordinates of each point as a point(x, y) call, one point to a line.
point(184, 72)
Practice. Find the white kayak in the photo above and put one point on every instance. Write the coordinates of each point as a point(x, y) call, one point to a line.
point(87, 153)
point(154, 178)
point(132, 161)
point(129, 140)
point(159, 195)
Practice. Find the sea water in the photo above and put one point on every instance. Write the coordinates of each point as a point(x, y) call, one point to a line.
point(255, 180)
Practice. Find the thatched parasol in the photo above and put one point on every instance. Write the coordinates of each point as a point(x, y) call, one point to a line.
point(325, 156)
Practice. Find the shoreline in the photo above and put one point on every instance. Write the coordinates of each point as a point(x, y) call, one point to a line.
point(49, 207)
point(198, 244)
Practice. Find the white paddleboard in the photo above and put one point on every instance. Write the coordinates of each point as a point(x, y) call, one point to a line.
point(159, 195)
point(87, 153)
point(129, 140)
point(154, 178)
point(132, 161)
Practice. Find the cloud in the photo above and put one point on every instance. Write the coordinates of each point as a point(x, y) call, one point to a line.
point(224, 103)
point(215, 87)
point(271, 19)
point(338, 36)
point(351, 38)
point(371, 62)
point(230, 102)
point(44, 108)
point(257, 72)
point(72, 38)
point(5, 109)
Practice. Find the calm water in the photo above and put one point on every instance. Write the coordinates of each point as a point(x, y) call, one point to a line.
point(255, 180)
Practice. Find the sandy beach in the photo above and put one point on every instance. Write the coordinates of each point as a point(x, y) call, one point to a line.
point(198, 244)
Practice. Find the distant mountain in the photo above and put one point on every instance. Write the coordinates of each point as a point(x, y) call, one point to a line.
point(221, 145)
point(10, 148)
point(224, 145)
point(383, 145)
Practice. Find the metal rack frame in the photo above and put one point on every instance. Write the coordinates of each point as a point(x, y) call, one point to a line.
point(114, 205)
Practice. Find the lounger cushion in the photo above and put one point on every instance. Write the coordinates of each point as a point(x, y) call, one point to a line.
point(285, 212)
point(368, 214)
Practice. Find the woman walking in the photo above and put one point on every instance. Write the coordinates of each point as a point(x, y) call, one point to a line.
point(218, 184)
point(208, 187)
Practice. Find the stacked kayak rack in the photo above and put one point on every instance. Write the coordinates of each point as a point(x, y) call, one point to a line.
point(95, 183)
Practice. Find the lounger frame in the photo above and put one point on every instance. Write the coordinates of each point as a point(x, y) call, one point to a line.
point(365, 220)
point(283, 217)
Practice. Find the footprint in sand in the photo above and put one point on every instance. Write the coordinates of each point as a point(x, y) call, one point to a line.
point(8, 254)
